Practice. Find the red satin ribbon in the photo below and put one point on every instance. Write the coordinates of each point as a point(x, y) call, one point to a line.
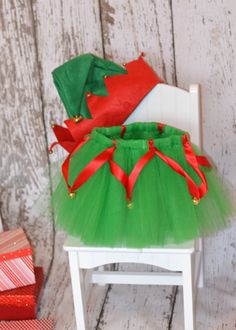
point(129, 181)
point(50, 149)
point(160, 127)
point(64, 138)
point(92, 167)
point(65, 165)
point(120, 174)
point(137, 170)
point(123, 129)
point(194, 190)
point(193, 162)
point(203, 161)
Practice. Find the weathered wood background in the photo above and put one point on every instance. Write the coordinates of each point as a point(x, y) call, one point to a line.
point(186, 41)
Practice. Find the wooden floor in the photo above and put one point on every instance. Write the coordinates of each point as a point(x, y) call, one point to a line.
point(123, 307)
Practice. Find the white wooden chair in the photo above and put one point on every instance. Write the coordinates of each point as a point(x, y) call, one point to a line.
point(176, 107)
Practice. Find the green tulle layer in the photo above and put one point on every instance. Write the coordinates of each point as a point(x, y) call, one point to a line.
point(162, 211)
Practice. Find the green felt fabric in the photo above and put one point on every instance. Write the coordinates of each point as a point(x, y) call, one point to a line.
point(79, 76)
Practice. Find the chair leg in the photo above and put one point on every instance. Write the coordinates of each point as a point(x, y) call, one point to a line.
point(78, 291)
point(201, 270)
point(188, 294)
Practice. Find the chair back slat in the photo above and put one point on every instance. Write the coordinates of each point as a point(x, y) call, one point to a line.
point(173, 106)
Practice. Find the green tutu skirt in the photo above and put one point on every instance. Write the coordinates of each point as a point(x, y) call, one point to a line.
point(142, 185)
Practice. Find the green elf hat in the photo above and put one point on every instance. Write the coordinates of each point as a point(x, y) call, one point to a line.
point(81, 76)
point(99, 93)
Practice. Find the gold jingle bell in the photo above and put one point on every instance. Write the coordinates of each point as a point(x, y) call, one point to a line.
point(130, 204)
point(71, 194)
point(77, 118)
point(196, 200)
point(50, 151)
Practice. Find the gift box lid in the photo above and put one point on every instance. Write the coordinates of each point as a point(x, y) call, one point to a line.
point(43, 324)
point(14, 244)
point(26, 295)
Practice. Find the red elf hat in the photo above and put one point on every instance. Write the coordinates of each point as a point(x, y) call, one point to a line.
point(98, 93)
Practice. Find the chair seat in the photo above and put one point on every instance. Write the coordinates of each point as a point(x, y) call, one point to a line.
point(74, 244)
point(182, 262)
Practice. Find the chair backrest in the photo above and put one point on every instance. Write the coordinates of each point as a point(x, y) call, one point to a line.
point(173, 106)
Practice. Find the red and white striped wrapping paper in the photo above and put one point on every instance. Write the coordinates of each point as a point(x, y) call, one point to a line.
point(27, 325)
point(21, 303)
point(16, 264)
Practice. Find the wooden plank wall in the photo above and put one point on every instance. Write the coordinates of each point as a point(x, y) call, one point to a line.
point(186, 41)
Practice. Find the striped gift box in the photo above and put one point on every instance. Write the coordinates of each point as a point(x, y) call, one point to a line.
point(27, 325)
point(16, 264)
point(21, 303)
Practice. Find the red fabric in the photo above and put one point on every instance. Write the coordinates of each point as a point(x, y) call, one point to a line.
point(65, 165)
point(27, 325)
point(203, 161)
point(137, 170)
point(128, 181)
point(194, 190)
point(89, 170)
point(64, 138)
point(50, 149)
point(117, 171)
point(160, 127)
point(123, 129)
point(177, 168)
point(21, 303)
point(192, 160)
point(125, 92)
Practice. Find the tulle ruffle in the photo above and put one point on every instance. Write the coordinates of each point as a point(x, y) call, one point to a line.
point(162, 209)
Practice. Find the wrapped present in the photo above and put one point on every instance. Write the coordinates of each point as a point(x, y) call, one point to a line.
point(16, 265)
point(27, 325)
point(21, 303)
